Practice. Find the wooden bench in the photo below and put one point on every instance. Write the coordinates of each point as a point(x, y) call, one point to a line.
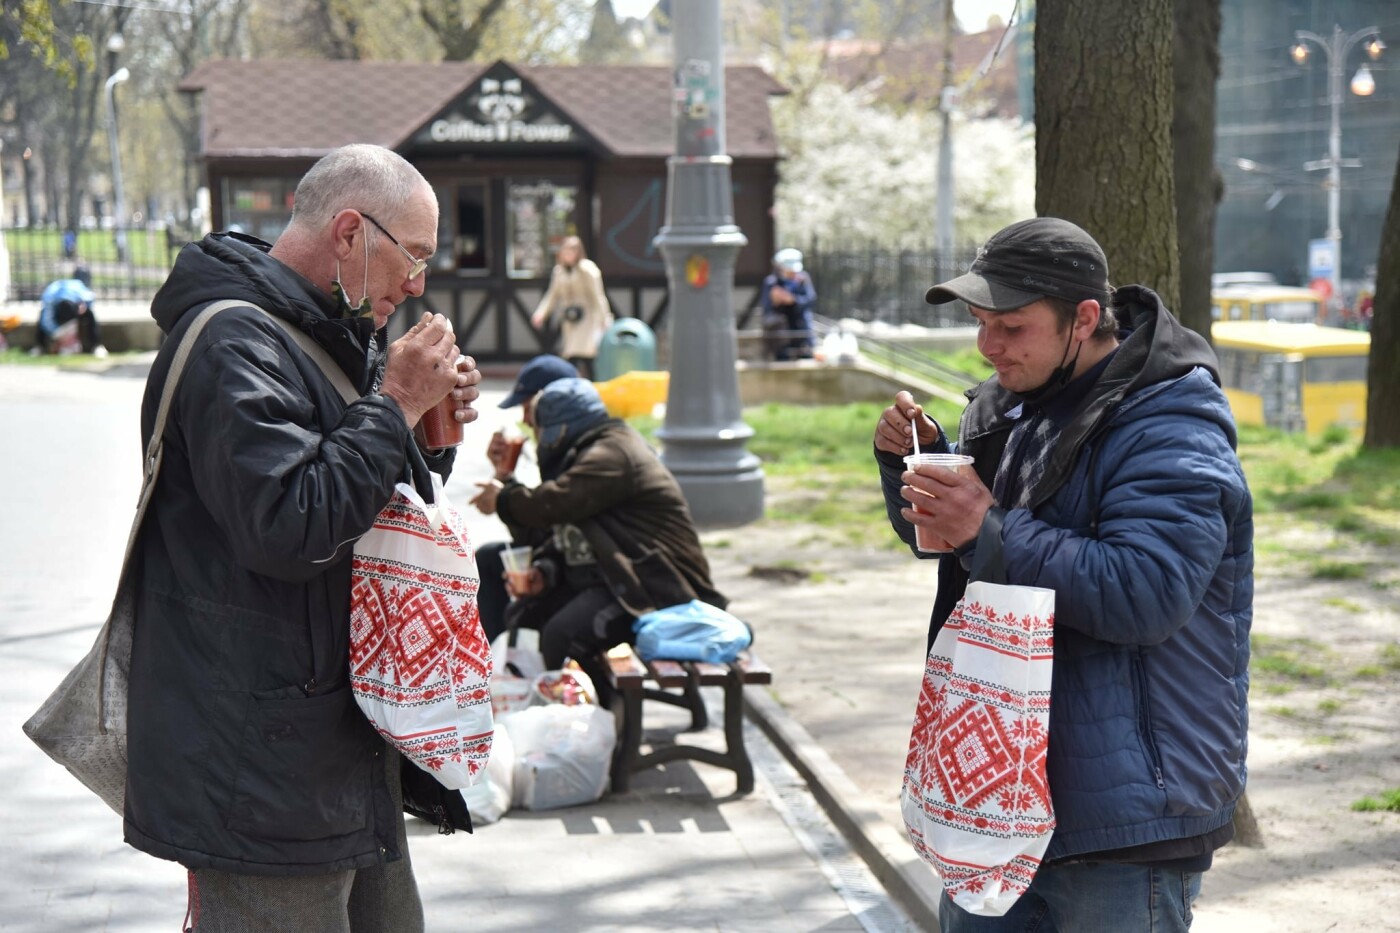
point(678, 683)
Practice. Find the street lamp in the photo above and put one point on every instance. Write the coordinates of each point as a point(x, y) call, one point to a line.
point(1336, 49)
point(119, 211)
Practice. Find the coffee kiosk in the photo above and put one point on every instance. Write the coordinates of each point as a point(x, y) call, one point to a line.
point(520, 157)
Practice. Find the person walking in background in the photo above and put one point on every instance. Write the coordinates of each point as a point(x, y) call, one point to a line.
point(491, 596)
point(1105, 471)
point(622, 542)
point(788, 300)
point(576, 299)
point(250, 763)
point(67, 323)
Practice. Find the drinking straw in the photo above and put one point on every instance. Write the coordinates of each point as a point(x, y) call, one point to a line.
point(914, 432)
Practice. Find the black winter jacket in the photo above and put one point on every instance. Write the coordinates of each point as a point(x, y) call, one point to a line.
point(247, 752)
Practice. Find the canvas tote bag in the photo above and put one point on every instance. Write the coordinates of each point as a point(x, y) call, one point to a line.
point(82, 724)
point(975, 800)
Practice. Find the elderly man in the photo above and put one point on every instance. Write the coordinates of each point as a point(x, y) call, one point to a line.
point(250, 762)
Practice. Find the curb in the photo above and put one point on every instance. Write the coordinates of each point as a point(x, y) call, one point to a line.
point(884, 850)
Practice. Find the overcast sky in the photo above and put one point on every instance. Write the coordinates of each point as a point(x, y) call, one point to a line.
point(972, 14)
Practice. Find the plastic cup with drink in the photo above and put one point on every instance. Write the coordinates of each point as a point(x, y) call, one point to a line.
point(517, 564)
point(925, 539)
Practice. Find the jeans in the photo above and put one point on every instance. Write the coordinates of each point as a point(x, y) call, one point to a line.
point(1090, 897)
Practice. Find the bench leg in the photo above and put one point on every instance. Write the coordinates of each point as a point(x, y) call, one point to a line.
point(627, 713)
point(699, 716)
point(734, 732)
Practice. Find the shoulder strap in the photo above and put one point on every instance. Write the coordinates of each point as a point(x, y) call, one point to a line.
point(155, 448)
point(329, 367)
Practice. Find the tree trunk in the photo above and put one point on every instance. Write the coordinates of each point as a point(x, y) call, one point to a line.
point(1103, 141)
point(1383, 372)
point(1196, 67)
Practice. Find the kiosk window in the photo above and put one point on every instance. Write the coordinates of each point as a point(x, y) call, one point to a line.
point(260, 206)
point(539, 214)
point(464, 240)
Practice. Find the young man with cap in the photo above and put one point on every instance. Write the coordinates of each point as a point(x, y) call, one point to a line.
point(492, 597)
point(1106, 471)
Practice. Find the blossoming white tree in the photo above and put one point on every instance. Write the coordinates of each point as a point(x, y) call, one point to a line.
point(857, 173)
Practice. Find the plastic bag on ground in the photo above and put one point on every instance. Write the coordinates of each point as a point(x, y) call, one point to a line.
point(489, 798)
point(563, 754)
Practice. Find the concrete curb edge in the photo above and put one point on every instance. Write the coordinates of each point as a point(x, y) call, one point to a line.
point(883, 849)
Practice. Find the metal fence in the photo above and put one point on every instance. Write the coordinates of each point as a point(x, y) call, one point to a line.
point(886, 285)
point(122, 264)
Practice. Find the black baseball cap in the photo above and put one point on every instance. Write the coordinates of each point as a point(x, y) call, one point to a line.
point(535, 375)
point(1029, 260)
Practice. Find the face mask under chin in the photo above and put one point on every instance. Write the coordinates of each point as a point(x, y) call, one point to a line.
point(346, 308)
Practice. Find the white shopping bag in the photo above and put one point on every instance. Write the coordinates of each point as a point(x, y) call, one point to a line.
point(420, 666)
point(975, 798)
point(563, 754)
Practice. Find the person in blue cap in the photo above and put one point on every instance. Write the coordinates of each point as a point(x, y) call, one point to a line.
point(620, 541)
point(492, 597)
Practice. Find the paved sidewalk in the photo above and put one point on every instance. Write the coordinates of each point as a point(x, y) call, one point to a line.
point(678, 852)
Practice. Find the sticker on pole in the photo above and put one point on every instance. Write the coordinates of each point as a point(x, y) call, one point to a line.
point(697, 271)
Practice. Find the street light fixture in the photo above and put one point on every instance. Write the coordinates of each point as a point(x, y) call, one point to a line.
point(119, 209)
point(1363, 84)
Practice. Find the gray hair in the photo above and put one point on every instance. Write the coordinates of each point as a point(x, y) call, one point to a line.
point(367, 178)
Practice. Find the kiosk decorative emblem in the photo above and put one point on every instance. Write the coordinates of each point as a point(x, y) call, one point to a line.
point(505, 107)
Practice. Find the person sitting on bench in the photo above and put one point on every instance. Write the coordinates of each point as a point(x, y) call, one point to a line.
point(622, 542)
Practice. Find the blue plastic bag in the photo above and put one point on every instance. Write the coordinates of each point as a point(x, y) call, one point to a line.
point(692, 631)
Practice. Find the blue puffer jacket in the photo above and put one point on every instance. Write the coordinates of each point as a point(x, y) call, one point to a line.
point(1143, 527)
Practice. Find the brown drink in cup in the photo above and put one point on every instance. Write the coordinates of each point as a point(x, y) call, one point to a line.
point(517, 564)
point(440, 425)
point(924, 538)
point(512, 455)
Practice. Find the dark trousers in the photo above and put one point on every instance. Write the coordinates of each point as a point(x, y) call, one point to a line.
point(88, 331)
point(575, 623)
point(491, 595)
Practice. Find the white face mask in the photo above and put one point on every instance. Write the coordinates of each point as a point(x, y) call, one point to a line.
point(365, 308)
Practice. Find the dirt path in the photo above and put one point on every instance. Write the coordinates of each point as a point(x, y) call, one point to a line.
point(846, 645)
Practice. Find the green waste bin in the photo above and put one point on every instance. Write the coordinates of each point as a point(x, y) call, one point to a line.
point(627, 346)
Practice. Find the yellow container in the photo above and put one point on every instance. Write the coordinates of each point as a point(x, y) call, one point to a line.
point(634, 393)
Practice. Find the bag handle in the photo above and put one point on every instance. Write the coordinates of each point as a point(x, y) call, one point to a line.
point(155, 449)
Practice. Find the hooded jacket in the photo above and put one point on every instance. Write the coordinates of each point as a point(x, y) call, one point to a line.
point(1142, 524)
point(246, 750)
point(601, 476)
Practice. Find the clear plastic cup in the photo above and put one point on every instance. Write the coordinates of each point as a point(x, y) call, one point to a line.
point(924, 538)
point(517, 564)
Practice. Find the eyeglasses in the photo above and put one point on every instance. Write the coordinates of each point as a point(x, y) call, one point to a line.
point(418, 266)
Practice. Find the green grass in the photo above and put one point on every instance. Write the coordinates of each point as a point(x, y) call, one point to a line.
point(1289, 659)
point(1389, 800)
point(144, 248)
point(1331, 570)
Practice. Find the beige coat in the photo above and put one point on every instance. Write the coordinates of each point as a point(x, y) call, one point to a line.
point(582, 287)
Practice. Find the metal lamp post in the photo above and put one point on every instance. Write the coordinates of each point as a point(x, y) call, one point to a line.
point(704, 433)
point(1335, 48)
point(119, 209)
